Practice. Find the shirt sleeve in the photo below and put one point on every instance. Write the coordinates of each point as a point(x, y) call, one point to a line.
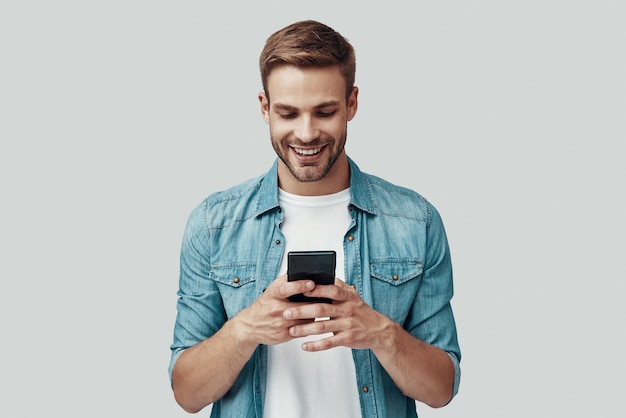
point(431, 318)
point(200, 311)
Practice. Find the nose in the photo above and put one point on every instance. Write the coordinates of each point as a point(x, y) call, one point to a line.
point(306, 130)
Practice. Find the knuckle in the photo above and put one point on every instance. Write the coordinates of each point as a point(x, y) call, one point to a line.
point(321, 327)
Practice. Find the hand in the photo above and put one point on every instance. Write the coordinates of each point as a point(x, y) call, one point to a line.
point(353, 323)
point(264, 321)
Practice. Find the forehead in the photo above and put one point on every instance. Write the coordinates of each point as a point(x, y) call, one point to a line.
point(299, 86)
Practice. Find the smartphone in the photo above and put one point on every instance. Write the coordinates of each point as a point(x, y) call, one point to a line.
point(318, 266)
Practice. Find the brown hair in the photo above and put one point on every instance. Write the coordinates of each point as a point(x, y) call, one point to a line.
point(308, 44)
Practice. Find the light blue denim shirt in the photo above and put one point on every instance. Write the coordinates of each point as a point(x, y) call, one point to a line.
point(396, 255)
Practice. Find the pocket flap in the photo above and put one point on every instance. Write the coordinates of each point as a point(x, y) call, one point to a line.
point(235, 275)
point(395, 271)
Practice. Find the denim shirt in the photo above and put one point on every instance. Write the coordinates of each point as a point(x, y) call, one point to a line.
point(396, 256)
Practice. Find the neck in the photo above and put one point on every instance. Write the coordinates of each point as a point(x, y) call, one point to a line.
point(337, 179)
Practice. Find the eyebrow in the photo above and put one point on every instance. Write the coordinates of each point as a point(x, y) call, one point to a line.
point(282, 106)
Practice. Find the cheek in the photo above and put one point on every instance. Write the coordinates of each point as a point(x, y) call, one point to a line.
point(277, 136)
point(339, 134)
point(337, 128)
point(279, 128)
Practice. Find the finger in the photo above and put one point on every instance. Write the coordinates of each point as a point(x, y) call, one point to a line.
point(344, 285)
point(337, 292)
point(313, 328)
point(321, 344)
point(310, 310)
point(286, 289)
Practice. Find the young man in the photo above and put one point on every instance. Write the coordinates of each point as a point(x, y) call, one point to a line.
point(387, 339)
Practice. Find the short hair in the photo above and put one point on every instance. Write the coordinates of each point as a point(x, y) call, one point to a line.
point(308, 44)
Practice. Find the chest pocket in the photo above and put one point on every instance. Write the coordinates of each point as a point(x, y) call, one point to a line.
point(395, 283)
point(396, 272)
point(236, 284)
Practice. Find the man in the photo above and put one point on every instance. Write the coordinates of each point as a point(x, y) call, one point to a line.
point(387, 339)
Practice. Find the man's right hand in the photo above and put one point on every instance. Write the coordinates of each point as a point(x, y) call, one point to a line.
point(263, 321)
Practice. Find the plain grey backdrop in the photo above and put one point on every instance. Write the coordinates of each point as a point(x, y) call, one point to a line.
point(118, 117)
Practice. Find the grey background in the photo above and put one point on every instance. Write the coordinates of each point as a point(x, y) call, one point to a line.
point(118, 117)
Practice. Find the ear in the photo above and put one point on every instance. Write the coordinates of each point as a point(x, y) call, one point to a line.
point(265, 106)
point(353, 102)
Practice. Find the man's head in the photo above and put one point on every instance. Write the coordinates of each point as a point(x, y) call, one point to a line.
point(308, 71)
point(308, 44)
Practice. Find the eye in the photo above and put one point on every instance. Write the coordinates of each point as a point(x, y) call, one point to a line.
point(287, 115)
point(325, 114)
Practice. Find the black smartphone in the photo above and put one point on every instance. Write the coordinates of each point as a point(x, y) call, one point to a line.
point(318, 266)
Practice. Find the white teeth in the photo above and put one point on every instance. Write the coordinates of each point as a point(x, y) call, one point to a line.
point(307, 151)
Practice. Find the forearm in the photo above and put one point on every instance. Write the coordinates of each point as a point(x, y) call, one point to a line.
point(205, 372)
point(422, 372)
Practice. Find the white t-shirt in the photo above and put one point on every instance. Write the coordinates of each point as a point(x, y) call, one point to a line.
point(302, 384)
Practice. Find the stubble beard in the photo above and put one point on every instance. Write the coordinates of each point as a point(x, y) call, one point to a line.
point(312, 172)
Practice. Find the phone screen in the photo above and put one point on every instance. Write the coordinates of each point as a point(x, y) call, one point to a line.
point(318, 266)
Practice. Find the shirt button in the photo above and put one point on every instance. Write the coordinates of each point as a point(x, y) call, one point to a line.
point(395, 277)
point(366, 389)
point(236, 280)
point(277, 242)
point(350, 238)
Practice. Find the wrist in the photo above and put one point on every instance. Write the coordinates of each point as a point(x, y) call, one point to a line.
point(387, 335)
point(241, 330)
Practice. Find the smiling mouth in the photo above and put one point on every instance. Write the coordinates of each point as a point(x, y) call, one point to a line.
point(307, 152)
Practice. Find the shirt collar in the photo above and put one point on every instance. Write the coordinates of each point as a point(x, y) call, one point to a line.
point(361, 195)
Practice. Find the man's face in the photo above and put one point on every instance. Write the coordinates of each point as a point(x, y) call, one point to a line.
point(308, 116)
